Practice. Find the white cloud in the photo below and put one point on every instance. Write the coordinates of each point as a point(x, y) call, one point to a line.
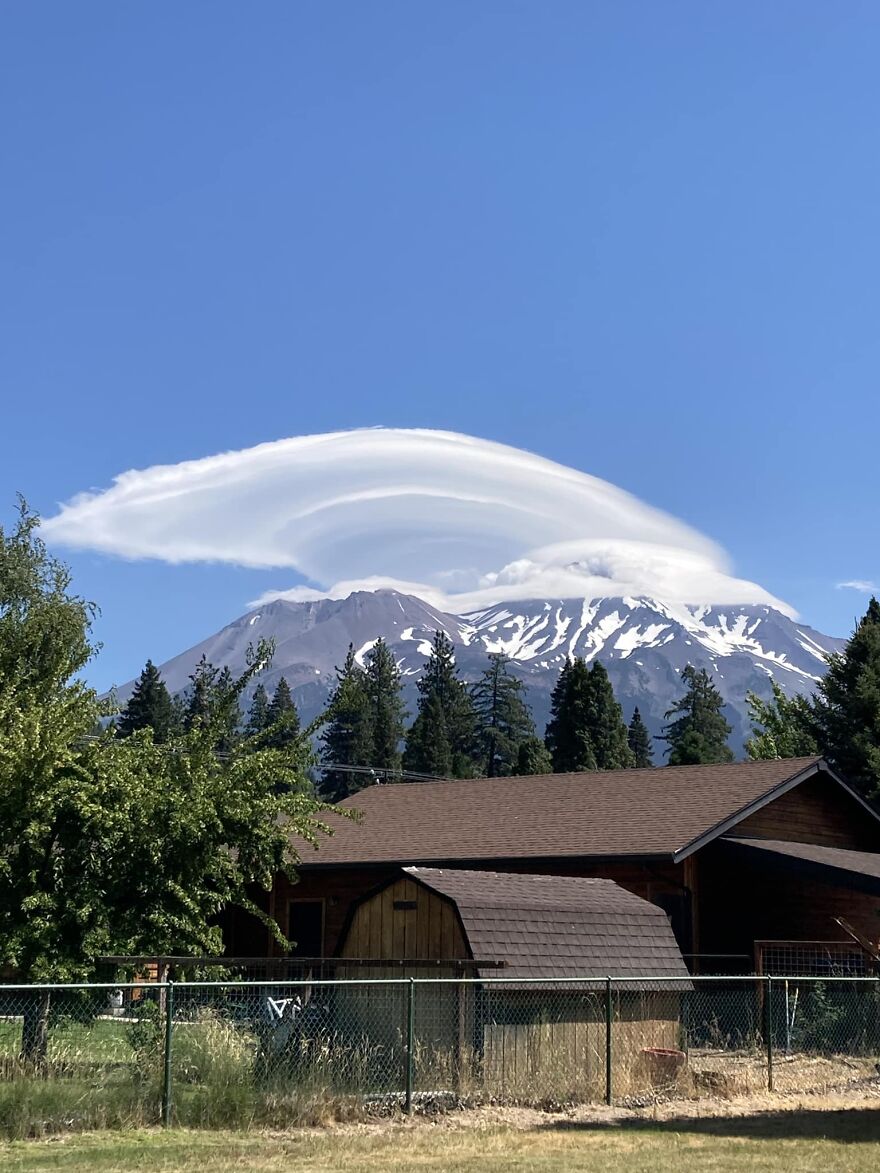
point(864, 585)
point(461, 521)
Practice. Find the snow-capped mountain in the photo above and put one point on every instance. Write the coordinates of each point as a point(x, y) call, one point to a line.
point(643, 643)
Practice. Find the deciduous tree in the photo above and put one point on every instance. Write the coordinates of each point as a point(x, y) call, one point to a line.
point(781, 727)
point(118, 845)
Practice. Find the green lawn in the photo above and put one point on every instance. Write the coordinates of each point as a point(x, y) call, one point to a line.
point(102, 1040)
point(806, 1141)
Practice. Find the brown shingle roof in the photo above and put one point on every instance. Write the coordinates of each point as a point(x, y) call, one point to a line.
point(556, 926)
point(656, 812)
point(857, 865)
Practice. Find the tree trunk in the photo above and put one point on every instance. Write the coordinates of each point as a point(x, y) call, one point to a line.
point(35, 1030)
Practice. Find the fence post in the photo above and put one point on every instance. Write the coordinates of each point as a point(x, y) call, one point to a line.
point(410, 1044)
point(768, 1027)
point(166, 1076)
point(608, 1079)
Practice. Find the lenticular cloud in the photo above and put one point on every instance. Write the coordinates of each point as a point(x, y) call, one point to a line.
point(462, 522)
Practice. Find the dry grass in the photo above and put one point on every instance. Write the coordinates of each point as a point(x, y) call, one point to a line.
point(766, 1136)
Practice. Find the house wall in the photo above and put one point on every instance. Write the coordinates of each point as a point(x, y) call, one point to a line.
point(817, 811)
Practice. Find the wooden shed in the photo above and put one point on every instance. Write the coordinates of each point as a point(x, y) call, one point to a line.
point(526, 1018)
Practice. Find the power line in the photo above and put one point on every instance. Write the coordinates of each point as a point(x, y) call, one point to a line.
point(382, 773)
point(379, 773)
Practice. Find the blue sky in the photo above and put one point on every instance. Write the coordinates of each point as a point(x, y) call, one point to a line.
point(639, 239)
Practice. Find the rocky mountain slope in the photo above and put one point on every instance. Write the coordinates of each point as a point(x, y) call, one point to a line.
point(643, 643)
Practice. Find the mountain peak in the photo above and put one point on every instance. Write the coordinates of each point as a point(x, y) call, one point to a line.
point(642, 641)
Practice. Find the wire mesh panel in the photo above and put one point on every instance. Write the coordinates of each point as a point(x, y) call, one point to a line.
point(274, 1049)
point(825, 959)
point(824, 1033)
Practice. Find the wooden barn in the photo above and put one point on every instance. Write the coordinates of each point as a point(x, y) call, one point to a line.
point(755, 863)
point(510, 1026)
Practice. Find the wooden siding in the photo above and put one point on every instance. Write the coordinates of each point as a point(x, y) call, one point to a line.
point(817, 811)
point(562, 1046)
point(427, 931)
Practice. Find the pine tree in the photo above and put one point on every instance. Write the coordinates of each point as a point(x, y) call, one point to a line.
point(567, 737)
point(699, 732)
point(347, 738)
point(212, 700)
point(781, 727)
point(556, 732)
point(387, 714)
point(847, 707)
point(532, 757)
point(605, 725)
point(282, 718)
point(503, 719)
point(258, 712)
point(200, 700)
point(428, 745)
point(149, 707)
point(442, 694)
point(228, 713)
point(639, 740)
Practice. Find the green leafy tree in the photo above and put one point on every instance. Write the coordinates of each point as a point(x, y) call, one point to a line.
point(532, 757)
point(282, 718)
point(387, 713)
point(441, 739)
point(503, 719)
point(847, 707)
point(116, 845)
point(639, 740)
point(698, 732)
point(347, 735)
point(605, 727)
point(149, 707)
point(781, 727)
point(258, 713)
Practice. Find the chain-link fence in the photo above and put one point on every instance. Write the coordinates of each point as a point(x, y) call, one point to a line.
point(217, 1054)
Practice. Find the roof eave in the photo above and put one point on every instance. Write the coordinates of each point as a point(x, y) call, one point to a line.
point(486, 862)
